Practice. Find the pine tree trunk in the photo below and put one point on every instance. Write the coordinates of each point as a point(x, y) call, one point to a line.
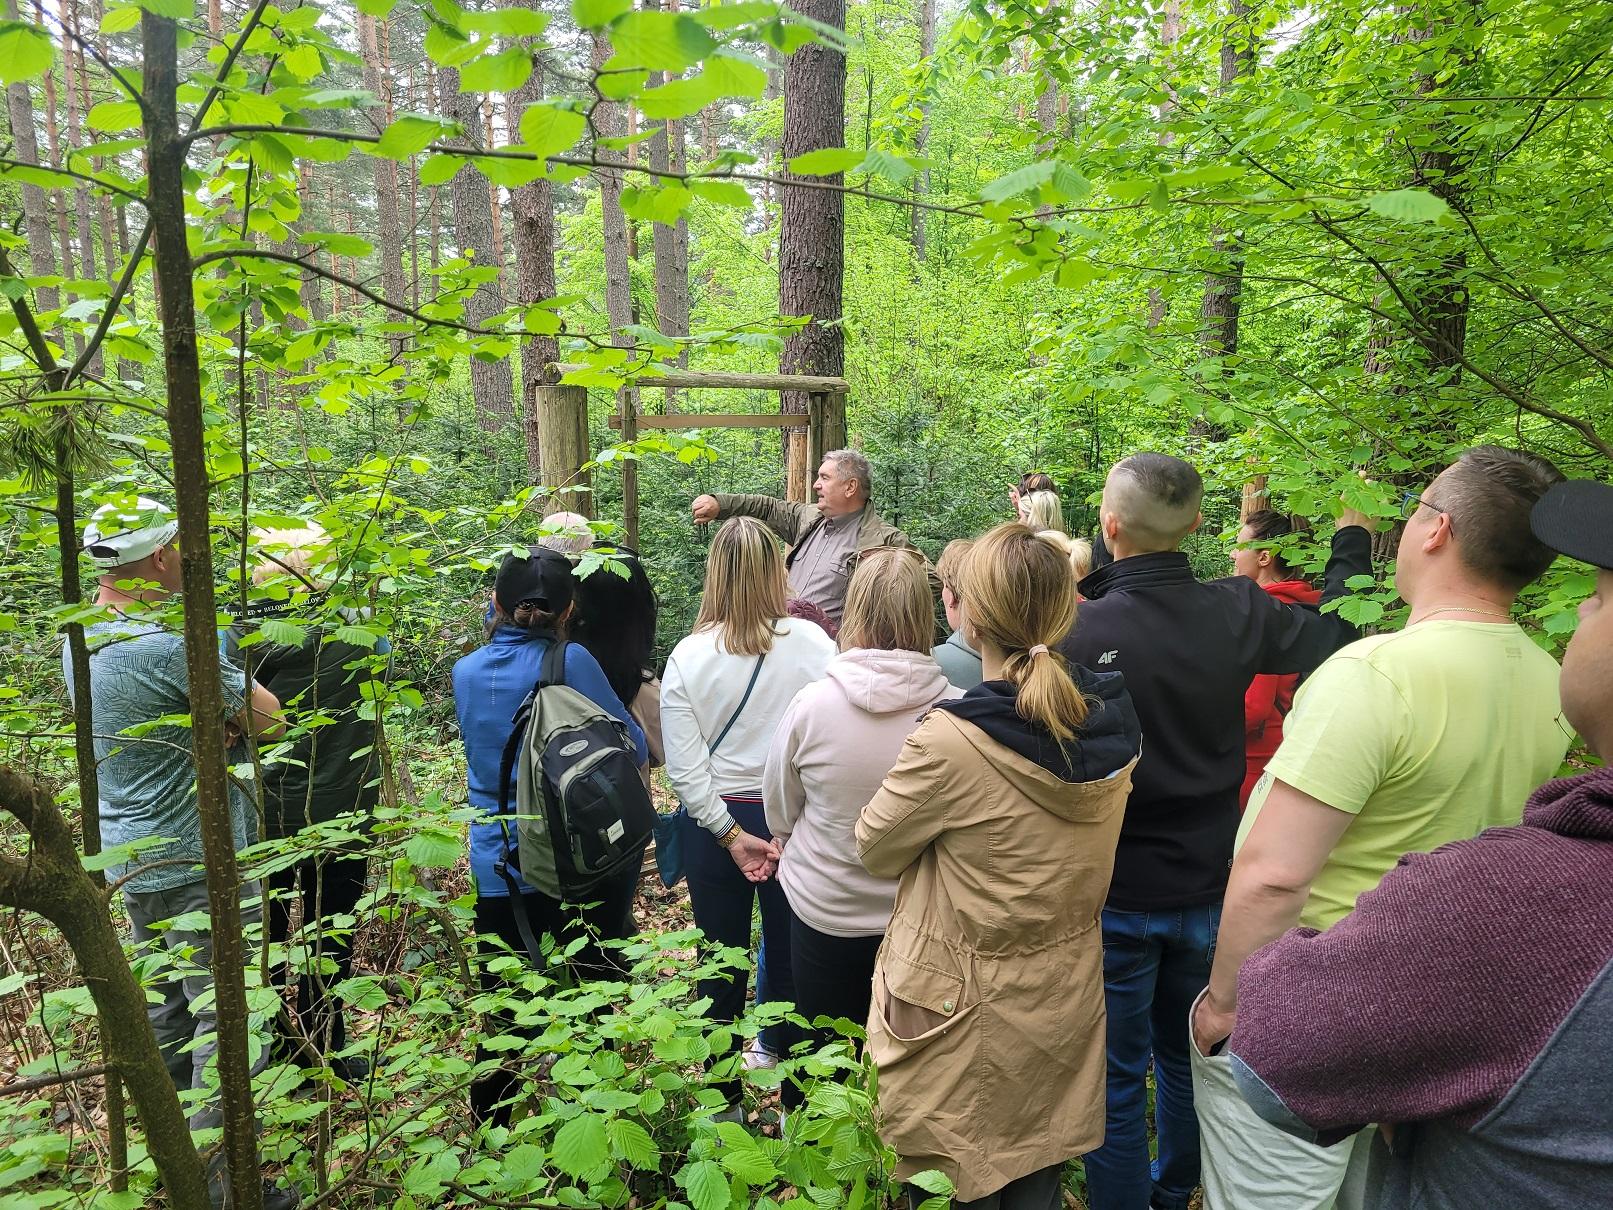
point(1223, 289)
point(921, 140)
point(187, 436)
point(812, 236)
point(73, 77)
point(491, 381)
point(378, 80)
point(609, 121)
point(35, 205)
point(494, 198)
point(532, 208)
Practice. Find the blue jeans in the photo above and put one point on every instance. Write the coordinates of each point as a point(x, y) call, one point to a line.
point(1154, 964)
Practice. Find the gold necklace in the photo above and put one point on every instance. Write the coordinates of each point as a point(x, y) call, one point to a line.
point(1485, 613)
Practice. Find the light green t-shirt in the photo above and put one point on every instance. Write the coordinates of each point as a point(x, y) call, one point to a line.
point(1426, 736)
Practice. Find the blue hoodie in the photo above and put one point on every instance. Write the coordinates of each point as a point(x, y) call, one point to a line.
point(489, 686)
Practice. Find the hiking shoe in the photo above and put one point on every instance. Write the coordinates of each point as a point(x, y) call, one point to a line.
point(280, 1197)
point(758, 1056)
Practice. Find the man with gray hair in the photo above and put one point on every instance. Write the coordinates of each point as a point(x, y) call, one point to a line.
point(825, 538)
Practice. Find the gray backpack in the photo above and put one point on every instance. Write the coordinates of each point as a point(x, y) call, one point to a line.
point(584, 813)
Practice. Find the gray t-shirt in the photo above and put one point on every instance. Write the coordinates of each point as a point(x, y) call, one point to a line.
point(148, 783)
point(818, 569)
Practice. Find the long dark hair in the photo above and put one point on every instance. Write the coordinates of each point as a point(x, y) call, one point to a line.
point(1267, 525)
point(614, 619)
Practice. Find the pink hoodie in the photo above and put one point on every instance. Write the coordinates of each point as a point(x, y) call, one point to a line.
point(837, 741)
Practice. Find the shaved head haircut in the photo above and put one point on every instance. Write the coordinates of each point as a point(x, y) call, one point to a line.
point(1155, 498)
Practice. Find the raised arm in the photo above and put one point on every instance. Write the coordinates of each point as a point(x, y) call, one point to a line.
point(785, 518)
point(1297, 638)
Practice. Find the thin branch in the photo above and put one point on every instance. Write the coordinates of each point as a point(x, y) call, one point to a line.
point(20, 1087)
point(77, 176)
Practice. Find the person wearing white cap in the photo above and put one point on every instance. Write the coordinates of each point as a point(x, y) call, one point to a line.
point(148, 782)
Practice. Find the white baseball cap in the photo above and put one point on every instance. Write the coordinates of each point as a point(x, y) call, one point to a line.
point(120, 534)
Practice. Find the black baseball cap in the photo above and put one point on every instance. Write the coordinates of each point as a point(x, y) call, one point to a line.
point(1575, 518)
point(542, 578)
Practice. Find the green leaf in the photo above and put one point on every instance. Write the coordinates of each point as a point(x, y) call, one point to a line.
point(506, 23)
point(580, 1145)
point(632, 1143)
point(410, 134)
point(659, 41)
point(826, 161)
point(592, 14)
point(25, 52)
point(1020, 180)
point(934, 1182)
point(1409, 206)
point(340, 243)
point(724, 76)
point(748, 1164)
point(511, 174)
point(121, 20)
point(361, 991)
point(440, 169)
point(446, 46)
point(724, 193)
point(177, 10)
point(303, 61)
point(376, 8)
point(437, 848)
point(549, 130)
point(114, 115)
point(503, 72)
point(707, 1186)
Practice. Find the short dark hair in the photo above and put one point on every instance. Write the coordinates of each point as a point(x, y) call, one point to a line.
point(1488, 493)
point(1267, 525)
point(1036, 481)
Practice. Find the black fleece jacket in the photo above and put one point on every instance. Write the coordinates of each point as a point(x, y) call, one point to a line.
point(1188, 651)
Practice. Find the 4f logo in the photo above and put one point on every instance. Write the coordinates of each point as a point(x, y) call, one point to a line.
point(1108, 657)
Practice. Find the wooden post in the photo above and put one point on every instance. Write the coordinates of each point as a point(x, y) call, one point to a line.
point(563, 445)
point(629, 420)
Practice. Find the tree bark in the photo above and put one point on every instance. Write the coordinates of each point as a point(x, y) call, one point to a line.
point(35, 206)
point(532, 209)
point(1223, 289)
point(1170, 29)
point(812, 234)
point(921, 140)
point(378, 80)
point(608, 123)
point(495, 202)
point(73, 78)
point(491, 381)
point(187, 436)
point(51, 881)
point(670, 243)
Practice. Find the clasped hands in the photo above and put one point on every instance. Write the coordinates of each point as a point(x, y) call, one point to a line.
point(756, 858)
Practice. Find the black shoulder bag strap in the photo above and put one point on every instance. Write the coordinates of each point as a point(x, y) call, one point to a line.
point(739, 709)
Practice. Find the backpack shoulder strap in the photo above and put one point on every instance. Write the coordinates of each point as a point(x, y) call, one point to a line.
point(554, 663)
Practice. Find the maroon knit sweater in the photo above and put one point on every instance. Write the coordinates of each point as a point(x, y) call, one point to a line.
point(1433, 997)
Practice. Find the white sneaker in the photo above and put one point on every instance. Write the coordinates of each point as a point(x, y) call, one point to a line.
point(758, 1056)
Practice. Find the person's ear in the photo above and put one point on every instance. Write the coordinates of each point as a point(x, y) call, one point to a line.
point(1198, 520)
point(1439, 534)
point(1110, 525)
point(1263, 558)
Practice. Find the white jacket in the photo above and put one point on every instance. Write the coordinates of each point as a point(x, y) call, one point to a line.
point(700, 690)
point(832, 751)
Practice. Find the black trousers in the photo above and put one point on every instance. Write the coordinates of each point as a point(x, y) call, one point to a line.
point(723, 900)
point(327, 884)
point(609, 917)
point(834, 977)
point(1040, 1190)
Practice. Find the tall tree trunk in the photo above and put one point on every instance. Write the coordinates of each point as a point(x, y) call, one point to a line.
point(491, 381)
point(921, 140)
point(532, 208)
point(812, 234)
point(378, 80)
point(187, 436)
point(1223, 289)
point(414, 211)
point(434, 206)
point(1170, 29)
point(495, 200)
point(73, 76)
point(670, 243)
point(35, 205)
point(608, 123)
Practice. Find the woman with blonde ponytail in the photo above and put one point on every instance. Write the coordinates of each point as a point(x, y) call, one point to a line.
point(1000, 820)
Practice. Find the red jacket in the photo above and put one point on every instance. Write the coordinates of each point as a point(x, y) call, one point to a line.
point(1269, 698)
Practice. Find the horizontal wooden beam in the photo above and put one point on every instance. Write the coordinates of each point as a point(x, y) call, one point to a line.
point(722, 420)
point(685, 380)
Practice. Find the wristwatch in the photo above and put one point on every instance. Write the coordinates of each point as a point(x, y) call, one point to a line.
point(727, 838)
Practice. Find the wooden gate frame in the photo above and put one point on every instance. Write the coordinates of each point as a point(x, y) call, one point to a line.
point(822, 429)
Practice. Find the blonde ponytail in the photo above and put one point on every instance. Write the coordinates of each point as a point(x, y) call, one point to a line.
point(1019, 596)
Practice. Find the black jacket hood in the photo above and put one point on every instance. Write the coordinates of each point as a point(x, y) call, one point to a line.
point(1109, 739)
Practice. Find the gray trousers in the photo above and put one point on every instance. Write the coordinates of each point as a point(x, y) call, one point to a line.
point(186, 1020)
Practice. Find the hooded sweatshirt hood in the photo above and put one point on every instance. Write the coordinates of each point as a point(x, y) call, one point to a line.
point(1294, 592)
point(1108, 741)
point(883, 682)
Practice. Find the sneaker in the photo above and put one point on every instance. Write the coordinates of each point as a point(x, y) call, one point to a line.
point(734, 1113)
point(280, 1197)
point(353, 1070)
point(758, 1056)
